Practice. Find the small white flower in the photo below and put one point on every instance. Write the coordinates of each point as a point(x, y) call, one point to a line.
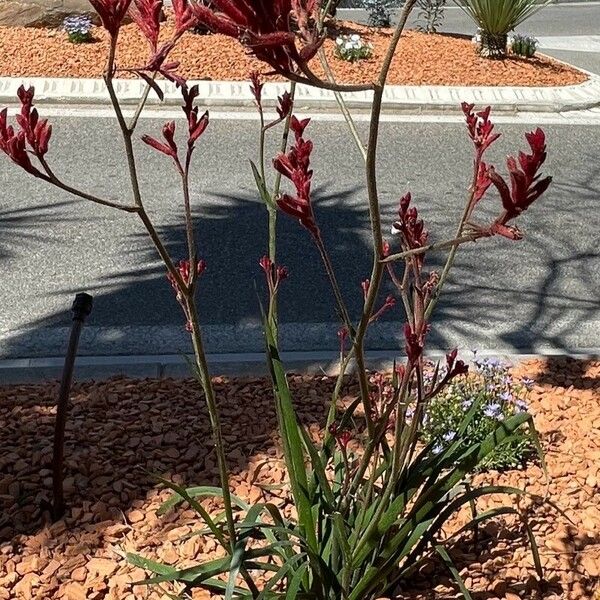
point(395, 230)
point(348, 45)
point(339, 41)
point(355, 37)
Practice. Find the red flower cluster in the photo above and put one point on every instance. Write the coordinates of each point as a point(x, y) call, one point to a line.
point(455, 367)
point(295, 165)
point(256, 87)
point(389, 302)
point(112, 13)
point(526, 184)
point(196, 126)
point(186, 274)
point(481, 129)
point(170, 147)
point(268, 29)
point(184, 16)
point(414, 343)
point(342, 436)
point(146, 14)
point(410, 226)
point(284, 106)
point(33, 132)
point(274, 274)
point(184, 270)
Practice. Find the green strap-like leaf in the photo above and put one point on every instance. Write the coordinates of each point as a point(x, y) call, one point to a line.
point(449, 563)
point(237, 559)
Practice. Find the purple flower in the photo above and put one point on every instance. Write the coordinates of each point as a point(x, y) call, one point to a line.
point(506, 396)
point(466, 404)
point(493, 411)
point(521, 406)
point(527, 383)
point(449, 437)
point(437, 449)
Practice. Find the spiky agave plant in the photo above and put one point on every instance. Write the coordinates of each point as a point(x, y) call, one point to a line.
point(496, 18)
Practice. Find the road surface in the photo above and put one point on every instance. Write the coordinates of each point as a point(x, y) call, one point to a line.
point(536, 295)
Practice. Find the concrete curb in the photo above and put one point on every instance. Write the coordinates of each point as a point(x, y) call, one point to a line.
point(98, 368)
point(398, 99)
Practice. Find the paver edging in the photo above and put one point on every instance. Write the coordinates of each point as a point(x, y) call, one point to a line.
point(237, 94)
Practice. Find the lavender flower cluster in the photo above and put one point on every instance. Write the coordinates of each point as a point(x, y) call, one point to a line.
point(79, 28)
point(496, 395)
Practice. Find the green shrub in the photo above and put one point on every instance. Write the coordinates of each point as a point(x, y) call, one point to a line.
point(431, 15)
point(523, 45)
point(380, 12)
point(352, 48)
point(496, 18)
point(497, 397)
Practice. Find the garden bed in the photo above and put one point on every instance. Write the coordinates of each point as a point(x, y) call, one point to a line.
point(421, 59)
point(121, 429)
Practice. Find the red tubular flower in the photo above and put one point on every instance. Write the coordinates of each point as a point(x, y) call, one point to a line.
point(526, 184)
point(157, 64)
point(455, 367)
point(342, 436)
point(146, 14)
point(342, 336)
point(390, 302)
point(268, 29)
point(184, 16)
point(34, 133)
point(365, 285)
point(256, 87)
point(295, 166)
point(482, 183)
point(170, 148)
point(284, 105)
point(184, 270)
point(410, 227)
point(37, 132)
point(112, 13)
point(196, 126)
point(274, 274)
point(481, 129)
point(414, 343)
point(298, 126)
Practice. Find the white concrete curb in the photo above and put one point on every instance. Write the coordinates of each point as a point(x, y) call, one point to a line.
point(397, 98)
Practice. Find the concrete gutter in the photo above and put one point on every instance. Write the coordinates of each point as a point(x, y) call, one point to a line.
point(98, 368)
point(398, 99)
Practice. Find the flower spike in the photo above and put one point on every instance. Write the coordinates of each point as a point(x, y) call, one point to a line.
point(112, 13)
point(269, 30)
point(295, 166)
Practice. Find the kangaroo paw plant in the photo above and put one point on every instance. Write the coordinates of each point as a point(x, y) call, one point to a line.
point(368, 500)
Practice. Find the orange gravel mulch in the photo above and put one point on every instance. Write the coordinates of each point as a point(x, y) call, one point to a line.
point(421, 59)
point(121, 429)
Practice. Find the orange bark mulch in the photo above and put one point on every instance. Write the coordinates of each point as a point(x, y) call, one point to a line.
point(421, 59)
point(120, 430)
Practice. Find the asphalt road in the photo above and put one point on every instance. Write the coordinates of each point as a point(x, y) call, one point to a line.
point(539, 294)
point(574, 26)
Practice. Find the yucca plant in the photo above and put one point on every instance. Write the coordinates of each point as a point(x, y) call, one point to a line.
point(496, 19)
point(367, 502)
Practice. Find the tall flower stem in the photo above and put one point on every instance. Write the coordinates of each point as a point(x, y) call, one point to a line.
point(374, 212)
point(197, 343)
point(213, 413)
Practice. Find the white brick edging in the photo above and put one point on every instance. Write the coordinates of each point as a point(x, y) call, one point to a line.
point(398, 98)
